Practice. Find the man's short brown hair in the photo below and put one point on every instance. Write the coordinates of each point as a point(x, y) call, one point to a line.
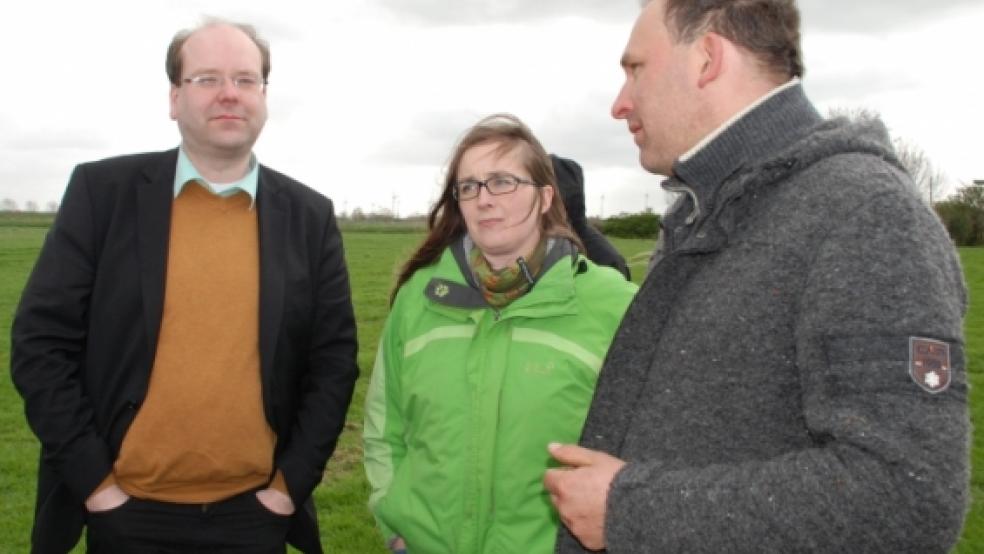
point(173, 61)
point(769, 29)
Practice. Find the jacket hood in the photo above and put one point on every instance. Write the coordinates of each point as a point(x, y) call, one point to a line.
point(570, 182)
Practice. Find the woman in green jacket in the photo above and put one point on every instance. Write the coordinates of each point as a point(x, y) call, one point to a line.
point(491, 351)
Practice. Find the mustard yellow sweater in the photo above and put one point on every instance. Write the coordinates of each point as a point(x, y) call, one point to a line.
point(200, 435)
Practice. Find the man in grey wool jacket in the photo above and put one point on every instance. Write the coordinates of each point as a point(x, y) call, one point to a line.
point(790, 376)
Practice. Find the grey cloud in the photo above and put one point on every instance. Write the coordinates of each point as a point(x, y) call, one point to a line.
point(428, 141)
point(75, 140)
point(441, 12)
point(821, 15)
point(584, 131)
point(274, 28)
point(865, 16)
point(855, 82)
point(587, 133)
point(36, 177)
point(271, 26)
point(36, 164)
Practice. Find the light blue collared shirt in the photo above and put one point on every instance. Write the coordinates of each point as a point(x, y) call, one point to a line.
point(186, 172)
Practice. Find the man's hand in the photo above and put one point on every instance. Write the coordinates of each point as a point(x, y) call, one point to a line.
point(107, 499)
point(580, 490)
point(275, 501)
point(397, 545)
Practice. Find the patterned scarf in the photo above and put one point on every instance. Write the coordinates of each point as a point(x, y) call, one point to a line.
point(501, 287)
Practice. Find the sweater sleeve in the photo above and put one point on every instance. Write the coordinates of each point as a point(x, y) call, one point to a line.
point(887, 468)
point(383, 426)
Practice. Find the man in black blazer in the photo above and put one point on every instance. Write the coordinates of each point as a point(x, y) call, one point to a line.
point(101, 344)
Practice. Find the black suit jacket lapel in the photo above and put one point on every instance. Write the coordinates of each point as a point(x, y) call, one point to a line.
point(154, 198)
point(274, 214)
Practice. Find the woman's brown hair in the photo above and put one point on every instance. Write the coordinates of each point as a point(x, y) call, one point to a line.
point(445, 224)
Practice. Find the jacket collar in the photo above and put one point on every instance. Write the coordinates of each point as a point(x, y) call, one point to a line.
point(770, 127)
point(154, 196)
point(454, 286)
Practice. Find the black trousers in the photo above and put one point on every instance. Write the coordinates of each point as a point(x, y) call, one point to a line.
point(236, 525)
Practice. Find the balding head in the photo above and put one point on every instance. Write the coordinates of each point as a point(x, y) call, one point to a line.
point(173, 63)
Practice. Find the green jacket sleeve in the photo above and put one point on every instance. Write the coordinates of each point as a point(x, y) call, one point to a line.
point(382, 434)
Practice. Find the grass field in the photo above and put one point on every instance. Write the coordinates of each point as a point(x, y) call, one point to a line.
point(373, 259)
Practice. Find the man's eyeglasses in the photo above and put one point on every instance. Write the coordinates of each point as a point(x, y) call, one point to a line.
point(212, 81)
point(502, 183)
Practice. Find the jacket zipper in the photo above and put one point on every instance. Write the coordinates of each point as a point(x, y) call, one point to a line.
point(693, 196)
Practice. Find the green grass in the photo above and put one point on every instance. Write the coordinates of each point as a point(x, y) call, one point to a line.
point(26, 219)
point(973, 265)
point(18, 447)
point(373, 259)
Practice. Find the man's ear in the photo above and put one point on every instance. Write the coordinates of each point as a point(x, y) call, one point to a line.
point(711, 47)
point(173, 101)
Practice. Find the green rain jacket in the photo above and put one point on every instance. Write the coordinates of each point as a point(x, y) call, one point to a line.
point(464, 400)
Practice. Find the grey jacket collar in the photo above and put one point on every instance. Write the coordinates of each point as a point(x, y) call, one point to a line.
point(779, 138)
point(771, 127)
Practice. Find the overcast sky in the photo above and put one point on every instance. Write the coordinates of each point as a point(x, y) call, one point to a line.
point(367, 97)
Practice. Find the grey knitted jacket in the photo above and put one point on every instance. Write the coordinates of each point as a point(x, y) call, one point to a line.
point(759, 386)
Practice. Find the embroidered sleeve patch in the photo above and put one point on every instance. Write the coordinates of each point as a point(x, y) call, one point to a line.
point(929, 364)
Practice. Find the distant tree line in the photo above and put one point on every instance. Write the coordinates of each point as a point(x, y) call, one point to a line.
point(643, 225)
point(963, 215)
point(11, 205)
